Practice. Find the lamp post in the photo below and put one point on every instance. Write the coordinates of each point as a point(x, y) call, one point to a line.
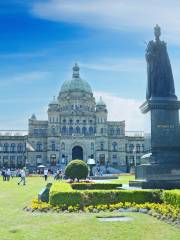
point(134, 151)
point(91, 163)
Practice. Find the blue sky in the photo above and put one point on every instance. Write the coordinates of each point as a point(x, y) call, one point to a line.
point(40, 41)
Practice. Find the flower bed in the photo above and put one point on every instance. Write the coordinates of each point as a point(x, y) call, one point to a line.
point(63, 197)
point(161, 211)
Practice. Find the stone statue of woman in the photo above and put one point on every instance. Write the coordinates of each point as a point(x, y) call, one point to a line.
point(159, 72)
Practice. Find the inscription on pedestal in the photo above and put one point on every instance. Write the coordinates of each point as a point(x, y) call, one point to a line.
point(165, 126)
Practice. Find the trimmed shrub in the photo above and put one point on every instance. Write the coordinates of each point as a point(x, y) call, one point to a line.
point(61, 194)
point(172, 197)
point(97, 186)
point(77, 169)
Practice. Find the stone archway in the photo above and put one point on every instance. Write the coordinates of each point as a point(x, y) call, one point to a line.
point(77, 153)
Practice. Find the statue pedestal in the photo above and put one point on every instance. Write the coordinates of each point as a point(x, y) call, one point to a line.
point(163, 142)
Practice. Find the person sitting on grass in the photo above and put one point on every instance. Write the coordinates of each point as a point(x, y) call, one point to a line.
point(58, 175)
point(23, 177)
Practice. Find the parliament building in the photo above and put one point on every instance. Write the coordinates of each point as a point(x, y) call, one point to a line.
point(77, 128)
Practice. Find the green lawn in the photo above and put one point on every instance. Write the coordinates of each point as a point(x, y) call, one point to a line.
point(17, 224)
point(124, 179)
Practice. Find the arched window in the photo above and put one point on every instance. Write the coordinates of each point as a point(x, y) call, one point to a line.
point(138, 148)
point(53, 130)
point(111, 131)
point(53, 146)
point(126, 147)
point(101, 146)
point(70, 121)
point(64, 130)
point(20, 161)
point(63, 146)
point(114, 146)
point(102, 130)
point(64, 120)
point(20, 147)
point(71, 130)
point(92, 147)
point(12, 161)
point(91, 131)
point(143, 149)
point(6, 147)
point(12, 148)
point(39, 147)
point(84, 130)
point(78, 129)
point(53, 160)
point(131, 147)
point(118, 131)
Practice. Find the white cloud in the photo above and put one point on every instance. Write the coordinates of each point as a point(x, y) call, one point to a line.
point(27, 77)
point(116, 64)
point(124, 15)
point(120, 109)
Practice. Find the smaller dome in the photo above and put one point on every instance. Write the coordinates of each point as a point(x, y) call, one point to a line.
point(100, 102)
point(54, 101)
point(33, 117)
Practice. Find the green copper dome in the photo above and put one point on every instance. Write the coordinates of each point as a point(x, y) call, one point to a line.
point(76, 83)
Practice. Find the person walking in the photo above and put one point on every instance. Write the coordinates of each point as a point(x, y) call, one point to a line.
point(4, 174)
point(23, 177)
point(45, 174)
point(8, 174)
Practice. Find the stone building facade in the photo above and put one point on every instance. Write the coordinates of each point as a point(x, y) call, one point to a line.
point(77, 128)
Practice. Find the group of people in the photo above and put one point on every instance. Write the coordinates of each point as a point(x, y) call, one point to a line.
point(57, 176)
point(7, 174)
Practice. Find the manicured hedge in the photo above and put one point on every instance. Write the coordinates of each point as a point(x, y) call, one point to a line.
point(76, 169)
point(97, 186)
point(172, 197)
point(63, 194)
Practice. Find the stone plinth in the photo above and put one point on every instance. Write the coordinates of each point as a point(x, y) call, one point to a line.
point(163, 170)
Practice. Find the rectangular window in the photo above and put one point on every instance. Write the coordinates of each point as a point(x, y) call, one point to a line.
point(39, 159)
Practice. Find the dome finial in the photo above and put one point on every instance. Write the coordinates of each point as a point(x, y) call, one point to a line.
point(76, 70)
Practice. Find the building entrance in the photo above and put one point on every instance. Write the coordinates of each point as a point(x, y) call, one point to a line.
point(102, 159)
point(77, 153)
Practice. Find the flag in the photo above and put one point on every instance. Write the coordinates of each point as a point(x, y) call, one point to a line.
point(29, 147)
